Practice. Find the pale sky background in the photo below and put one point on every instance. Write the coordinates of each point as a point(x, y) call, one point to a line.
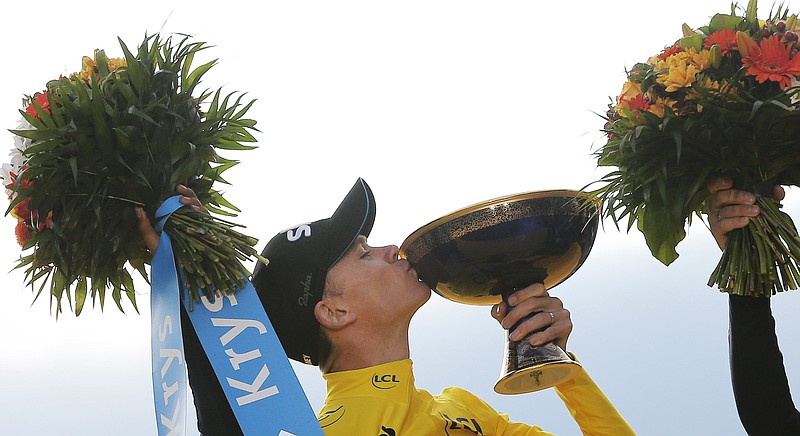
point(438, 105)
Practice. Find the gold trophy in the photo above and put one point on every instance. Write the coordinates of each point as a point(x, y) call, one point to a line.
point(482, 253)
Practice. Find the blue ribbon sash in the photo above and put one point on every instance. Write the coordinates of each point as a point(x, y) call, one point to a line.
point(237, 336)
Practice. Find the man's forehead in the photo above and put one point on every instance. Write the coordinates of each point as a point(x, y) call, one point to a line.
point(360, 241)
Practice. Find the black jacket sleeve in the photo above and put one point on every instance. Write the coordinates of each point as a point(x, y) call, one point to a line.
point(760, 386)
point(214, 414)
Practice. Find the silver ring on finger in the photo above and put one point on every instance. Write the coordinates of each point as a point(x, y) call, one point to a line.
point(552, 317)
point(719, 214)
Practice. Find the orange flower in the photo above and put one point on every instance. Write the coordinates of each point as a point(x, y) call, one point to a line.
point(771, 60)
point(669, 51)
point(42, 101)
point(631, 96)
point(725, 39)
point(23, 233)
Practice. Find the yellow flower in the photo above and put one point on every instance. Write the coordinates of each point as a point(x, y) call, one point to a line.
point(115, 63)
point(701, 59)
point(680, 69)
point(720, 91)
point(678, 74)
point(658, 108)
point(88, 68)
point(709, 83)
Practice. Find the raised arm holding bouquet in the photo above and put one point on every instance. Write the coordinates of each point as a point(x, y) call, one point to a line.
point(720, 101)
point(760, 383)
point(101, 150)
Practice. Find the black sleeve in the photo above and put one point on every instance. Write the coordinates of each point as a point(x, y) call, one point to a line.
point(214, 414)
point(760, 386)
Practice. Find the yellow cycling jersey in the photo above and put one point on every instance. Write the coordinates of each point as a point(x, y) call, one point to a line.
point(383, 401)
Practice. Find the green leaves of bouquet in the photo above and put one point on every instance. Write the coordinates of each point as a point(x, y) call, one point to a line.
point(721, 101)
point(124, 133)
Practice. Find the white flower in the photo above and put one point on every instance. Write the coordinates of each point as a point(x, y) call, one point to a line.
point(18, 158)
point(5, 174)
point(21, 143)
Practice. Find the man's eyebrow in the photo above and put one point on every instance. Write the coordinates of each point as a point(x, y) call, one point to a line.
point(360, 241)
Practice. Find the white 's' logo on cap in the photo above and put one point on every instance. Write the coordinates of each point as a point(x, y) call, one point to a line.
point(303, 230)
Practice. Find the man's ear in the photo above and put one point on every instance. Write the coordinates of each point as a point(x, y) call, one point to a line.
point(333, 316)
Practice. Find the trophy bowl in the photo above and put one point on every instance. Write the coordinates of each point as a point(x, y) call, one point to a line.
point(482, 253)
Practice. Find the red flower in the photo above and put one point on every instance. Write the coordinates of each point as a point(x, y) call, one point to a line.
point(669, 51)
point(46, 224)
point(23, 233)
point(771, 60)
point(639, 103)
point(42, 100)
point(22, 211)
point(725, 39)
point(25, 183)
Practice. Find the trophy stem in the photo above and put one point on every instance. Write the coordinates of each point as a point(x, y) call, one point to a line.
point(530, 368)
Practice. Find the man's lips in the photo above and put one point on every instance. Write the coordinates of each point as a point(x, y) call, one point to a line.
point(411, 269)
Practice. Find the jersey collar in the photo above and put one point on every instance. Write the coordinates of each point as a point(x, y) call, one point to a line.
point(391, 380)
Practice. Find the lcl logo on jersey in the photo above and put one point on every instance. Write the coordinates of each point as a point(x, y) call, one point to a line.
point(385, 381)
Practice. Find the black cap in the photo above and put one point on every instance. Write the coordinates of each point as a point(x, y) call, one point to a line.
point(299, 259)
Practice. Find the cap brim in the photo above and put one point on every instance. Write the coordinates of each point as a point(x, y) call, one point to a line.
point(354, 217)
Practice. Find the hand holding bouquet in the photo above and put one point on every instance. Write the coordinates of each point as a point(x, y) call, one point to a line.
point(721, 101)
point(123, 133)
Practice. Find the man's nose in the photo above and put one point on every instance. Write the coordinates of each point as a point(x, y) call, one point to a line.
point(392, 253)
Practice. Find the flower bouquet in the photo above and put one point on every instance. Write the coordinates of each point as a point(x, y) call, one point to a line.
point(123, 133)
point(721, 101)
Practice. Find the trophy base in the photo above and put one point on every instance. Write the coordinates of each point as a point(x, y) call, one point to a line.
point(531, 369)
